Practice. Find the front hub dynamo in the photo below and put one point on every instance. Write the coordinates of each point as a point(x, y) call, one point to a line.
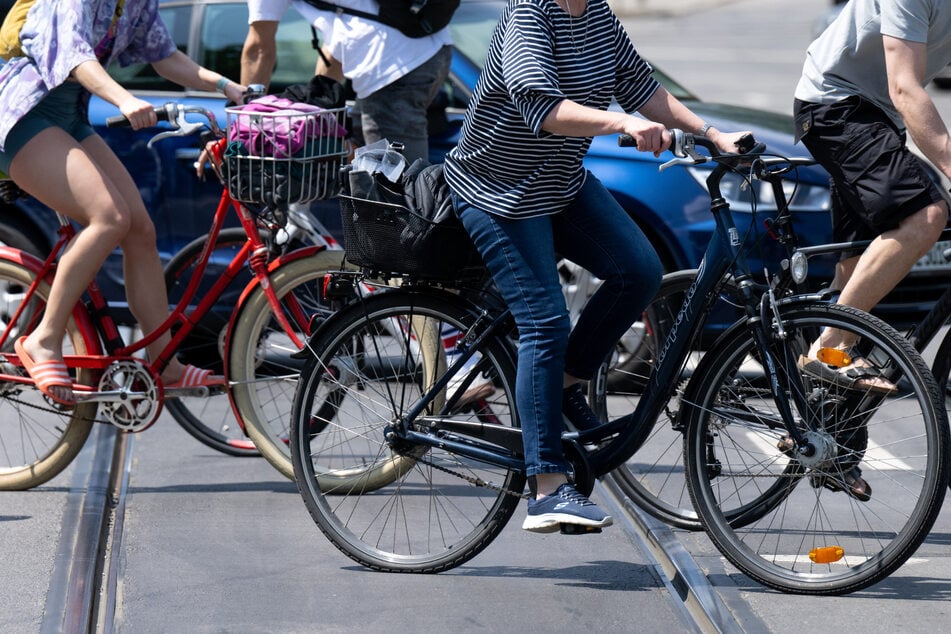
point(825, 450)
point(135, 399)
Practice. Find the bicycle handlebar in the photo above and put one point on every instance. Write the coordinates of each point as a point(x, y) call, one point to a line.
point(174, 114)
point(683, 145)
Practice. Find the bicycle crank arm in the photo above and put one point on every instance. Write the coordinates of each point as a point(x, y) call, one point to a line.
point(109, 396)
point(199, 391)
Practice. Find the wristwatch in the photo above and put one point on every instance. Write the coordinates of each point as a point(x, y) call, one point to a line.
point(704, 128)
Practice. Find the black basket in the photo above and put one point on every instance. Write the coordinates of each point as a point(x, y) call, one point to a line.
point(390, 239)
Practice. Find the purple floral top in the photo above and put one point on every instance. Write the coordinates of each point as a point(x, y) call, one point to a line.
point(61, 34)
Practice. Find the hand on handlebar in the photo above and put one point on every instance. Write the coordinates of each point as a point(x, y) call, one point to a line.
point(211, 154)
point(140, 114)
point(727, 142)
point(648, 136)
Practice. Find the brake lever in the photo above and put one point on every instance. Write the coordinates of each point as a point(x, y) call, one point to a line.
point(682, 161)
point(181, 127)
point(684, 149)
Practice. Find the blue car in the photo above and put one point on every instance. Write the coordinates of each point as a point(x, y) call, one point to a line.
point(672, 207)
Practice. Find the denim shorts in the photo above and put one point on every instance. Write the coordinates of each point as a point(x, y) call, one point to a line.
point(64, 107)
point(876, 180)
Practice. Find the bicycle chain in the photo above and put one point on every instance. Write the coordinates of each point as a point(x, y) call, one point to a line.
point(55, 410)
point(473, 480)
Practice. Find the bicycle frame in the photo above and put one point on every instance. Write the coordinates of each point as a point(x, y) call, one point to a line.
point(725, 252)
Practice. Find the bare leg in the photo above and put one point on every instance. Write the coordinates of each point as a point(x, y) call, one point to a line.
point(865, 280)
point(69, 177)
point(142, 267)
point(548, 483)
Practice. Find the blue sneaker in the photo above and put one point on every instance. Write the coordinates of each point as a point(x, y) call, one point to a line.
point(574, 407)
point(564, 506)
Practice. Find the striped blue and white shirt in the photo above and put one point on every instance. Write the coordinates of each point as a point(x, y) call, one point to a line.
point(539, 55)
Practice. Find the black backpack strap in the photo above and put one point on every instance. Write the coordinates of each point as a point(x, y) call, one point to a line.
point(315, 43)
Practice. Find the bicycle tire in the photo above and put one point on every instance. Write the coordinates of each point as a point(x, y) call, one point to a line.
point(806, 537)
point(39, 440)
point(210, 420)
point(399, 507)
point(941, 369)
point(654, 478)
point(261, 370)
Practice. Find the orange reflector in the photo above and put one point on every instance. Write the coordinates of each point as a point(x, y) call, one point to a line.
point(826, 554)
point(834, 357)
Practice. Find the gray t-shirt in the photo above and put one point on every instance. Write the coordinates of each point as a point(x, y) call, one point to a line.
point(849, 57)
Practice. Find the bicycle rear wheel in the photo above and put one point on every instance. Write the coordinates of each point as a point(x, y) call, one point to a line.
point(261, 368)
point(388, 504)
point(941, 368)
point(785, 518)
point(37, 438)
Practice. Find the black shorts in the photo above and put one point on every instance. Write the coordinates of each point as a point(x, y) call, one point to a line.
point(876, 180)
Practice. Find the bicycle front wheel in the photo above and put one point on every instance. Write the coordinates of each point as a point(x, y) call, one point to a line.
point(37, 438)
point(788, 519)
point(262, 370)
point(387, 503)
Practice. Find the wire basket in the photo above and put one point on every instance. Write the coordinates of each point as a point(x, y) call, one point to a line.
point(284, 157)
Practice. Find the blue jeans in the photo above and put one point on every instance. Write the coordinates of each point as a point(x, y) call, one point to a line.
point(596, 233)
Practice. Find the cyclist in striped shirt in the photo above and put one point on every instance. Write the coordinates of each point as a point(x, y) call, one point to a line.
point(553, 69)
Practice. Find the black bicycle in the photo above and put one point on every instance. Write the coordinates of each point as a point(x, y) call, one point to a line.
point(655, 478)
point(402, 476)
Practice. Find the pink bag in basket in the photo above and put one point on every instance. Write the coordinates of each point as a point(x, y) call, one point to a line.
point(277, 127)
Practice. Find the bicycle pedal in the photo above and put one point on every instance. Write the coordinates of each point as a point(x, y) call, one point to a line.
point(577, 529)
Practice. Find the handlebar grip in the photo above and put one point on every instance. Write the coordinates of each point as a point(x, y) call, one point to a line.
point(162, 113)
point(746, 144)
point(676, 140)
point(626, 140)
point(118, 121)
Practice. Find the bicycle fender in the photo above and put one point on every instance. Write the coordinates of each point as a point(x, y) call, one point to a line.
point(287, 258)
point(86, 328)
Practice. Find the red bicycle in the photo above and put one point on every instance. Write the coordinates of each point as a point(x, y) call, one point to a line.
point(254, 343)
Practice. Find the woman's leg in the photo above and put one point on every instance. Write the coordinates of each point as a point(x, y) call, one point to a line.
point(69, 177)
point(142, 267)
point(520, 255)
point(56, 170)
point(597, 234)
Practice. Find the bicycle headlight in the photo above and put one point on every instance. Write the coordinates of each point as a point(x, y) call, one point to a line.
point(799, 267)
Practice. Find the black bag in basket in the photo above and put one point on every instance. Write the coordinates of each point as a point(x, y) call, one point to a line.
point(406, 228)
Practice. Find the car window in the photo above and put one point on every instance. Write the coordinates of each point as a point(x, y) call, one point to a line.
point(471, 28)
point(223, 29)
point(143, 76)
